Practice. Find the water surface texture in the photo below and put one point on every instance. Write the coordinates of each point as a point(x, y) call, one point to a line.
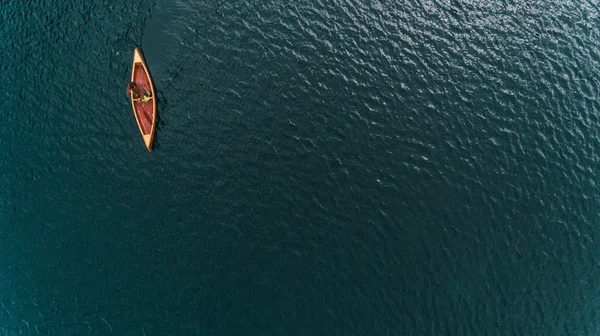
point(320, 168)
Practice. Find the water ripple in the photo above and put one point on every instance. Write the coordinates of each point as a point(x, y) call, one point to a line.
point(338, 167)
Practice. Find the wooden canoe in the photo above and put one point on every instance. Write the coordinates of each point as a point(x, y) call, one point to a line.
point(145, 113)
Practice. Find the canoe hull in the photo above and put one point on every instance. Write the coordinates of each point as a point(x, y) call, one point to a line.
point(145, 113)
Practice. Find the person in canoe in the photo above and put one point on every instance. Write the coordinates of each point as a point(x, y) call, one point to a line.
point(141, 94)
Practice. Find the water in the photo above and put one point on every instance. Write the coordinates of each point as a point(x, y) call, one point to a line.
point(320, 168)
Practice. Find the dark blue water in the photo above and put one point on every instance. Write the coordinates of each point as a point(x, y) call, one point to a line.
point(320, 168)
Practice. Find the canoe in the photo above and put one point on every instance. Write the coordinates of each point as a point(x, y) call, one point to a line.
point(145, 113)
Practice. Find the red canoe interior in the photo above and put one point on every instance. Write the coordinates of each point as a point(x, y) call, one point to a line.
point(144, 111)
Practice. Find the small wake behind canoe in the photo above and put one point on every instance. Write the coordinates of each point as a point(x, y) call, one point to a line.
point(144, 105)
